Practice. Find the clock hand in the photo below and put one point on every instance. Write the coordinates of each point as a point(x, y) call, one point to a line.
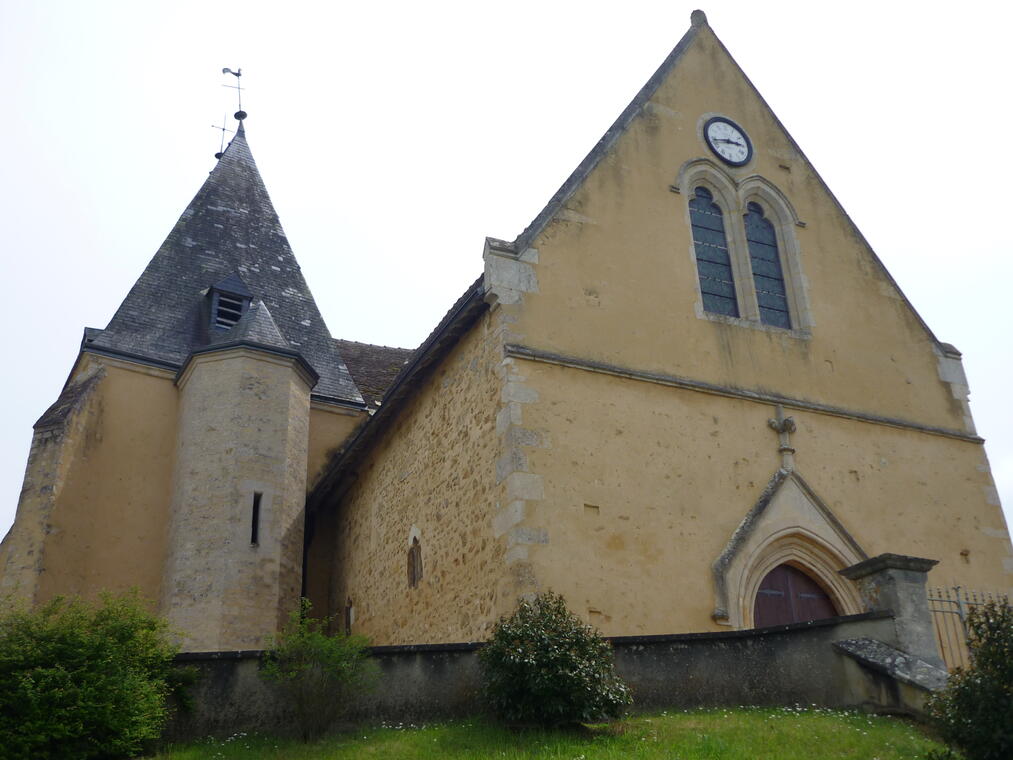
point(730, 142)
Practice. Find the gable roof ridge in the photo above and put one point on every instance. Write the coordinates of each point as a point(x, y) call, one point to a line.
point(612, 134)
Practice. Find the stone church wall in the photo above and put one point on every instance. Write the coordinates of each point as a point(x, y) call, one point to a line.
point(97, 486)
point(645, 419)
point(330, 425)
point(642, 495)
point(430, 476)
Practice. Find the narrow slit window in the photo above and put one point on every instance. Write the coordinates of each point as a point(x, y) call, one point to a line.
point(714, 265)
point(349, 616)
point(771, 294)
point(414, 563)
point(255, 519)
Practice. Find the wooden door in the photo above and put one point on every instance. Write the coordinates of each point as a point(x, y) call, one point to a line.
point(787, 595)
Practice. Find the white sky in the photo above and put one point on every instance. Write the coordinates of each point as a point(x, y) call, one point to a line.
point(393, 137)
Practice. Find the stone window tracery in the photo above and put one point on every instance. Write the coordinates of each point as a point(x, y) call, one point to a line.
point(749, 271)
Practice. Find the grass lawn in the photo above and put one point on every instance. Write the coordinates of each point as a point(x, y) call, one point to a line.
point(739, 734)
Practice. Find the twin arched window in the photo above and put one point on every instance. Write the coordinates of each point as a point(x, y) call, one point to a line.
point(716, 261)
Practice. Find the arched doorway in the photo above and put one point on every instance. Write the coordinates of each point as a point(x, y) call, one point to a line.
point(788, 595)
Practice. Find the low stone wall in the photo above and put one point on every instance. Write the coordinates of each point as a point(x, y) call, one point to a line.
point(783, 665)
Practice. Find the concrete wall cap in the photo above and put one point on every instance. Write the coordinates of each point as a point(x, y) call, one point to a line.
point(888, 562)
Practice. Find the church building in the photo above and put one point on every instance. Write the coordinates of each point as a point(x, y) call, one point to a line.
point(685, 397)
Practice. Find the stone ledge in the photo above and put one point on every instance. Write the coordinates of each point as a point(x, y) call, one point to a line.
point(888, 562)
point(894, 663)
point(747, 632)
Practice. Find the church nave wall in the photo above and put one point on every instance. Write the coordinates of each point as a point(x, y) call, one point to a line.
point(430, 476)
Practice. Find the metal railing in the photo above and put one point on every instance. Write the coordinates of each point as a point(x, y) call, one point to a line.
point(950, 608)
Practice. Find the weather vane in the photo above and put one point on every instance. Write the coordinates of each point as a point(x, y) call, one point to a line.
point(240, 114)
point(238, 87)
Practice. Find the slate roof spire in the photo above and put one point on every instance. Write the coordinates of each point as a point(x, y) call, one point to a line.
point(229, 230)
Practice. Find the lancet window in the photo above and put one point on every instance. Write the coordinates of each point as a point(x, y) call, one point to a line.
point(765, 262)
point(714, 266)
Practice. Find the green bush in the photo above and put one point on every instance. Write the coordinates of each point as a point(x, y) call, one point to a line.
point(82, 680)
point(543, 666)
point(316, 672)
point(974, 713)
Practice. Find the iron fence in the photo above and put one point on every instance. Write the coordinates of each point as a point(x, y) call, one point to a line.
point(950, 607)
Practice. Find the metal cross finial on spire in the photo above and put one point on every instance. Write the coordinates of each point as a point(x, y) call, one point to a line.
point(238, 87)
point(224, 129)
point(784, 427)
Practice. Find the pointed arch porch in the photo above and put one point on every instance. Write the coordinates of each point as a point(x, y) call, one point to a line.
point(788, 525)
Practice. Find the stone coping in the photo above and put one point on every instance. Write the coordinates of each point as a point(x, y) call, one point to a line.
point(888, 562)
point(749, 633)
point(623, 641)
point(895, 663)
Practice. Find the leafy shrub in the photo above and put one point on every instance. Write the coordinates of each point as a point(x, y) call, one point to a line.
point(82, 680)
point(974, 713)
point(543, 666)
point(316, 672)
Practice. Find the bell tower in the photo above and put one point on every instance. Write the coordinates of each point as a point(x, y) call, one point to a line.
point(175, 460)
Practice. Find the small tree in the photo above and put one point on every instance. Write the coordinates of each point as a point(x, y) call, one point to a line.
point(974, 713)
point(318, 673)
point(82, 680)
point(543, 666)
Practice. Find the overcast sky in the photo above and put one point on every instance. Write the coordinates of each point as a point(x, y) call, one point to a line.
point(393, 137)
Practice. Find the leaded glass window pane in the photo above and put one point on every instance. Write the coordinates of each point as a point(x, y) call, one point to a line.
point(713, 264)
point(771, 295)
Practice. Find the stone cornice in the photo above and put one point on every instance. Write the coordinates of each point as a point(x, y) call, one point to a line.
point(590, 365)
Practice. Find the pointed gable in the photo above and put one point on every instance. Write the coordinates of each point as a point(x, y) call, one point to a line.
point(233, 284)
point(229, 237)
point(617, 269)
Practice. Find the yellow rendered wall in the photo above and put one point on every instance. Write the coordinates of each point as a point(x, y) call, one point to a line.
point(109, 521)
point(672, 473)
point(617, 281)
point(638, 487)
point(330, 426)
point(431, 474)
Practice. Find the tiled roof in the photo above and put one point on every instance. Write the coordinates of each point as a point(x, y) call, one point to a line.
point(373, 368)
point(229, 231)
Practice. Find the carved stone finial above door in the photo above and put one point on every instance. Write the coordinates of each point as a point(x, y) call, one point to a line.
point(784, 427)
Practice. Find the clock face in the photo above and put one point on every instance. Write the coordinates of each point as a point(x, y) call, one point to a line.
point(728, 140)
